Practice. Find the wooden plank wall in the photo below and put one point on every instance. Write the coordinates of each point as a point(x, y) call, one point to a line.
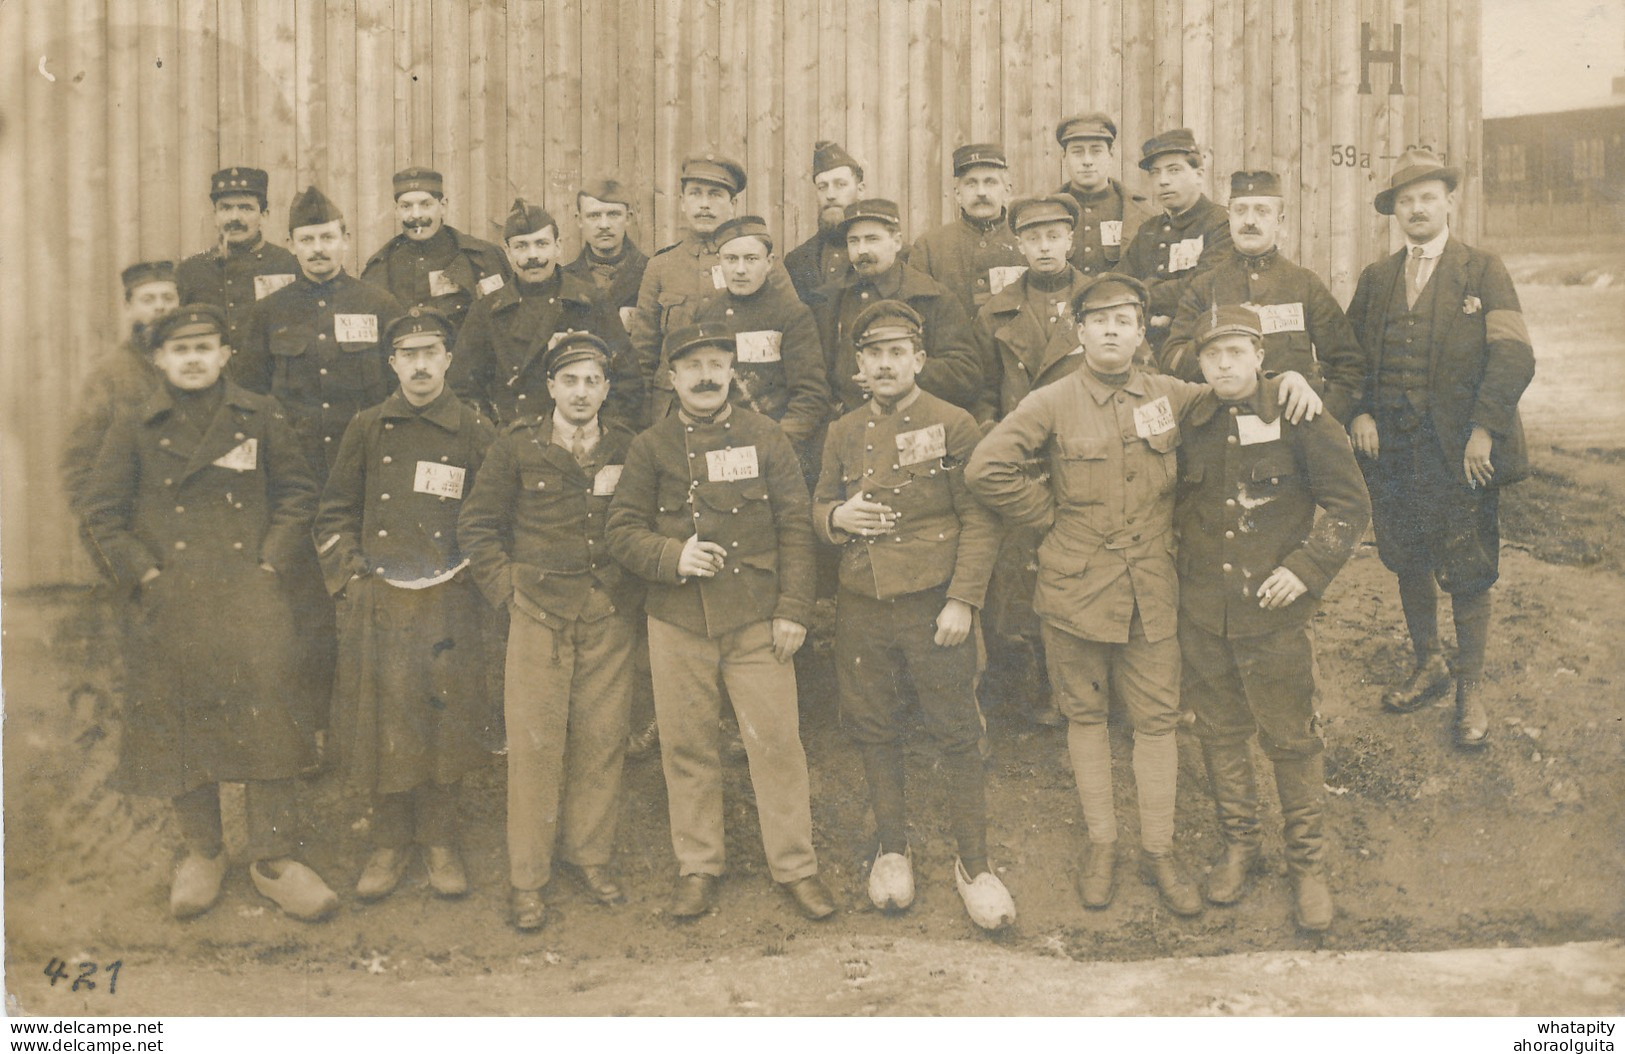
point(106, 153)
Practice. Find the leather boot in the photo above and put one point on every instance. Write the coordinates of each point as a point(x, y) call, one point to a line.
point(1472, 720)
point(1302, 786)
point(1430, 678)
point(1235, 799)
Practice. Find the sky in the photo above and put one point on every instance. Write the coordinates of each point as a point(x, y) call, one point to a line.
point(1543, 55)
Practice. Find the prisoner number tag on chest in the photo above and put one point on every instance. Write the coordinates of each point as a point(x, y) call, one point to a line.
point(717, 281)
point(1111, 232)
point(922, 444)
point(266, 284)
point(355, 329)
point(1153, 418)
point(445, 481)
point(999, 278)
point(626, 316)
point(603, 483)
point(1182, 255)
point(489, 284)
point(758, 345)
point(440, 285)
point(726, 466)
point(1250, 429)
point(1280, 318)
point(240, 458)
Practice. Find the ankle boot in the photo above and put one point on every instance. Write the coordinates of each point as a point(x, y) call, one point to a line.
point(1235, 799)
point(1302, 785)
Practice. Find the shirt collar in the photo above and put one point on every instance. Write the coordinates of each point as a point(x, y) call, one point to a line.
point(1432, 250)
point(1103, 392)
point(564, 431)
point(444, 411)
point(902, 404)
point(715, 419)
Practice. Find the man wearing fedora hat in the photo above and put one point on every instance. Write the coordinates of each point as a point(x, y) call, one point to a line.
point(974, 255)
point(1437, 427)
point(1108, 215)
point(838, 178)
point(241, 267)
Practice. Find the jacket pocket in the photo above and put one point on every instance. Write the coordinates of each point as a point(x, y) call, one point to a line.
point(1079, 467)
point(290, 369)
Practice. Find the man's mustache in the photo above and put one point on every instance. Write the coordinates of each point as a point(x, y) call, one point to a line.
point(317, 258)
point(422, 375)
point(863, 258)
point(705, 386)
point(526, 265)
point(235, 225)
point(1251, 230)
point(415, 224)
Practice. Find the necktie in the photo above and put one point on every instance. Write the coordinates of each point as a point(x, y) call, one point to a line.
point(1413, 276)
point(578, 447)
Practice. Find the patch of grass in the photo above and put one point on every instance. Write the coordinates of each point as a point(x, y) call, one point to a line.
point(1561, 522)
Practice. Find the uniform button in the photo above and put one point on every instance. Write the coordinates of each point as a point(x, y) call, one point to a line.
point(169, 483)
point(906, 420)
point(1273, 480)
point(180, 545)
point(1234, 410)
point(691, 455)
point(388, 459)
point(321, 336)
point(321, 303)
point(735, 510)
point(383, 497)
point(1255, 278)
point(445, 457)
point(380, 570)
point(729, 311)
point(727, 424)
point(897, 490)
point(1226, 567)
point(1230, 439)
point(735, 544)
point(1162, 267)
point(390, 425)
point(180, 508)
point(327, 439)
point(238, 505)
point(327, 406)
point(896, 466)
point(236, 545)
point(736, 570)
point(869, 447)
point(1230, 503)
point(1229, 534)
point(521, 396)
point(871, 424)
point(164, 441)
point(1136, 538)
point(239, 437)
point(383, 534)
point(691, 428)
point(322, 371)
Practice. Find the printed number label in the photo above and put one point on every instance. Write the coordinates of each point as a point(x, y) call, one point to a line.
point(446, 481)
point(440, 285)
point(1251, 429)
point(1153, 418)
point(1001, 278)
point(355, 329)
point(760, 345)
point(266, 284)
point(725, 466)
point(717, 281)
point(1280, 318)
point(603, 484)
point(1182, 255)
point(489, 284)
point(242, 457)
point(1111, 232)
point(922, 444)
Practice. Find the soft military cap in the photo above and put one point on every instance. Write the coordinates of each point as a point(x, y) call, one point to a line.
point(979, 154)
point(1086, 126)
point(572, 346)
point(719, 171)
point(1175, 141)
point(685, 339)
point(311, 208)
point(239, 180)
point(829, 155)
point(1228, 320)
point(189, 320)
point(1258, 184)
point(419, 178)
point(418, 327)
point(607, 188)
point(1415, 166)
point(139, 274)
point(743, 227)
point(887, 320)
point(525, 218)
point(1109, 290)
point(872, 209)
point(1050, 208)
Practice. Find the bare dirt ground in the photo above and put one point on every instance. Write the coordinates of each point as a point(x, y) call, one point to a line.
point(1432, 851)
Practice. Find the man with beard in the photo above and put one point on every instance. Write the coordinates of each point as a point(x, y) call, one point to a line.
point(242, 268)
point(1108, 215)
point(975, 255)
point(874, 243)
point(431, 263)
point(608, 259)
point(500, 352)
point(821, 259)
point(1303, 328)
point(711, 511)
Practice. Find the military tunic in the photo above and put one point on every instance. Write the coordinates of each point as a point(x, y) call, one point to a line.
point(1168, 251)
point(973, 258)
point(1304, 329)
point(1108, 219)
point(411, 693)
point(121, 379)
point(497, 362)
point(234, 280)
point(817, 262)
point(778, 360)
point(448, 272)
point(616, 280)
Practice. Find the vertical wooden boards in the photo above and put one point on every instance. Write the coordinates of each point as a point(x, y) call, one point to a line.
point(1168, 64)
point(1077, 63)
point(1139, 118)
point(924, 129)
point(600, 88)
point(893, 101)
point(731, 104)
point(375, 111)
point(958, 85)
point(159, 123)
point(198, 156)
point(764, 139)
point(272, 145)
point(1386, 127)
point(700, 18)
point(635, 131)
point(1433, 100)
point(1036, 171)
point(1462, 85)
point(1348, 181)
point(419, 73)
point(798, 110)
point(1284, 145)
point(1015, 45)
point(339, 129)
point(487, 119)
point(81, 73)
point(832, 123)
point(1468, 152)
point(235, 71)
point(1315, 103)
point(310, 92)
point(1258, 109)
point(862, 32)
point(1106, 83)
point(16, 476)
point(986, 76)
point(1229, 105)
point(450, 115)
point(672, 142)
point(561, 113)
point(1198, 83)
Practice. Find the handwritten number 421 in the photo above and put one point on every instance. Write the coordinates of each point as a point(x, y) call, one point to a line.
point(57, 970)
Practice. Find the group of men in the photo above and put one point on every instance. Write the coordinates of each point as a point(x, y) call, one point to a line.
point(1075, 447)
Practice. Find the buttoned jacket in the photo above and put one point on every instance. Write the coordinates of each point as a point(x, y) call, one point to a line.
point(1150, 256)
point(474, 269)
point(1022, 351)
point(778, 361)
point(1091, 254)
point(235, 280)
point(963, 253)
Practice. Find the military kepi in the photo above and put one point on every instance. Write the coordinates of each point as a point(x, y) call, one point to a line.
point(1051, 208)
point(312, 208)
point(691, 338)
point(189, 320)
point(1258, 184)
point(974, 154)
point(743, 227)
point(525, 218)
point(1415, 166)
point(239, 180)
point(887, 320)
point(878, 209)
point(419, 178)
point(1086, 126)
point(1109, 290)
point(1224, 320)
point(418, 327)
point(573, 346)
point(1175, 141)
point(139, 274)
point(720, 171)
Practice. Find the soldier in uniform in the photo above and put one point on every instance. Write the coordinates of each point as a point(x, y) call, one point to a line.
point(431, 263)
point(498, 361)
point(1190, 236)
point(712, 512)
point(1106, 588)
point(874, 243)
point(916, 552)
point(534, 529)
point(1447, 358)
point(608, 259)
point(1108, 215)
point(1254, 560)
point(974, 255)
point(686, 273)
point(242, 268)
point(821, 259)
point(411, 692)
point(1028, 339)
point(198, 502)
point(1304, 329)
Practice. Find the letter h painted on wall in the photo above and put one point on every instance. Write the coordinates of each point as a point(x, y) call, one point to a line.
point(1369, 54)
